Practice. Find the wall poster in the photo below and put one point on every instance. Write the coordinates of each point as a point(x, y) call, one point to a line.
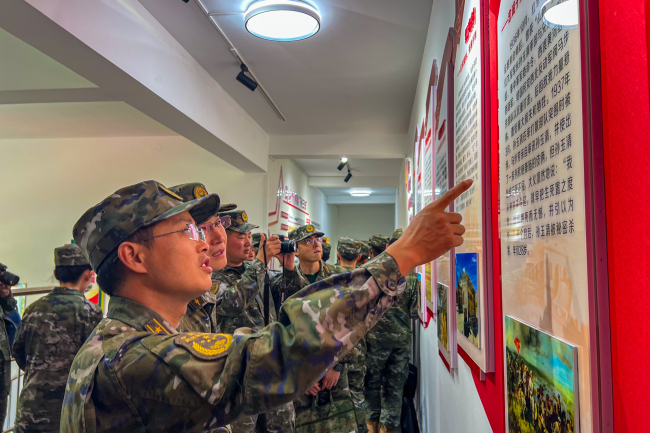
point(545, 275)
point(417, 168)
point(473, 311)
point(446, 302)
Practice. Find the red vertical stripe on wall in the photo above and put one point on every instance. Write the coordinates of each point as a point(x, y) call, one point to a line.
point(624, 41)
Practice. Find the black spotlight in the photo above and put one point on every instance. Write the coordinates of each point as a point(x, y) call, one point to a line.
point(349, 176)
point(341, 165)
point(245, 79)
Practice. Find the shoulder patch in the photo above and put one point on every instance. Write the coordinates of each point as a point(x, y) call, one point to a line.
point(170, 192)
point(199, 192)
point(205, 346)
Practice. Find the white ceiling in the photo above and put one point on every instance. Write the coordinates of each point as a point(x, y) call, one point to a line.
point(357, 75)
point(359, 167)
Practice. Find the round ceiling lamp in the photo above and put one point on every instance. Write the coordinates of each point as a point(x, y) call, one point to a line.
point(561, 14)
point(282, 20)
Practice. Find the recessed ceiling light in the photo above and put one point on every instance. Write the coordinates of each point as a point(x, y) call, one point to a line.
point(282, 20)
point(360, 193)
point(561, 14)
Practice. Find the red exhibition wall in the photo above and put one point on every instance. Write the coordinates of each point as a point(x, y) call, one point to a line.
point(624, 43)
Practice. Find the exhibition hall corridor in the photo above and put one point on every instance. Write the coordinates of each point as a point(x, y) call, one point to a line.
point(310, 216)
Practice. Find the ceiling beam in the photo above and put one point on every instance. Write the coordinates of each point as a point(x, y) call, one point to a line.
point(367, 146)
point(56, 95)
point(122, 49)
point(355, 182)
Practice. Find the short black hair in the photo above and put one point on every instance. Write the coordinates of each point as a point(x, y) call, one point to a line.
point(377, 250)
point(326, 256)
point(392, 241)
point(350, 257)
point(70, 274)
point(111, 273)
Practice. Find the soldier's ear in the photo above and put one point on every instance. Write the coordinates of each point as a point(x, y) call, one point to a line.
point(132, 256)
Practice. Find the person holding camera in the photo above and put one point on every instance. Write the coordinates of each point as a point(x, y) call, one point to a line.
point(8, 304)
point(240, 301)
point(52, 330)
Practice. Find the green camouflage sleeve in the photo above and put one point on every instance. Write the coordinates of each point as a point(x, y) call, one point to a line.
point(234, 299)
point(319, 325)
point(20, 341)
point(8, 304)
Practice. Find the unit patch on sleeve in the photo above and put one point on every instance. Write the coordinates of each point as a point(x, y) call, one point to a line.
point(205, 346)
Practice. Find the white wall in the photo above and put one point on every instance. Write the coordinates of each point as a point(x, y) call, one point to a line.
point(363, 221)
point(47, 184)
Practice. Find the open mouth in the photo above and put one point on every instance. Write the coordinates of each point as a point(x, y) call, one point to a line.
point(206, 265)
point(219, 254)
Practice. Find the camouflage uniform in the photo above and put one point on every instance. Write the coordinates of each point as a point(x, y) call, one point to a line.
point(240, 304)
point(8, 305)
point(365, 253)
point(51, 332)
point(389, 348)
point(136, 373)
point(378, 241)
point(327, 250)
point(200, 316)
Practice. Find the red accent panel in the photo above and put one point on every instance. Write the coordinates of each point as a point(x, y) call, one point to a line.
point(624, 41)
point(295, 207)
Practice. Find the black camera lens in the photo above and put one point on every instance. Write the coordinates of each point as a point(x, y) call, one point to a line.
point(7, 277)
point(287, 246)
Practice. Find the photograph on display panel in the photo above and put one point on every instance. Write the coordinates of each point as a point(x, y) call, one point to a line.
point(467, 297)
point(442, 315)
point(542, 380)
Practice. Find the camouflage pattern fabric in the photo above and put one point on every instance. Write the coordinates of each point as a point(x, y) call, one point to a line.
point(349, 246)
point(51, 332)
point(256, 238)
point(303, 232)
point(388, 351)
point(239, 221)
point(135, 373)
point(365, 251)
point(69, 255)
point(195, 190)
point(107, 224)
point(327, 250)
point(200, 316)
point(387, 370)
point(8, 305)
point(396, 235)
point(278, 420)
point(239, 302)
point(378, 241)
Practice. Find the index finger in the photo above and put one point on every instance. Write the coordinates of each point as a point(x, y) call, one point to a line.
point(451, 195)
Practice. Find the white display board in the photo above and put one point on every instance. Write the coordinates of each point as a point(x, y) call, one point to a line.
point(542, 189)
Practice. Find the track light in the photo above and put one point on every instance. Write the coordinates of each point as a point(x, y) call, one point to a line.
point(341, 165)
point(349, 176)
point(245, 79)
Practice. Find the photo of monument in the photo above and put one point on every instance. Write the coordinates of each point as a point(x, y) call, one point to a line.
point(443, 336)
point(467, 296)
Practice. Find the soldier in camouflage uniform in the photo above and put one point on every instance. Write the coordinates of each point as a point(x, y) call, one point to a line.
point(365, 254)
point(313, 269)
point(51, 332)
point(136, 373)
point(327, 250)
point(200, 316)
point(377, 244)
point(8, 304)
point(389, 348)
point(348, 252)
point(239, 291)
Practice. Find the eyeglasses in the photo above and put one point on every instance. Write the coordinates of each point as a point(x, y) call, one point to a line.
point(313, 241)
point(223, 221)
point(193, 231)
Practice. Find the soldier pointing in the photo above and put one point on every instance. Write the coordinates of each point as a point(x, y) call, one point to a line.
point(136, 373)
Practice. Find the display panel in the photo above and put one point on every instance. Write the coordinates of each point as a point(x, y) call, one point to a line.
point(542, 187)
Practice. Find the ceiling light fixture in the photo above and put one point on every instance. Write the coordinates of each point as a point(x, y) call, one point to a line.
point(360, 193)
point(343, 163)
point(282, 20)
point(245, 79)
point(349, 176)
point(561, 14)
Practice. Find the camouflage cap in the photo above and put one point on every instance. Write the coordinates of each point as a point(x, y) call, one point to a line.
point(349, 246)
point(239, 221)
point(378, 241)
point(365, 250)
point(327, 249)
point(69, 255)
point(103, 227)
point(396, 235)
point(257, 238)
point(194, 190)
point(303, 232)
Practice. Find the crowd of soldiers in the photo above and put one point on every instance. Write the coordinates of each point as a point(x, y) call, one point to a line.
point(201, 336)
point(543, 410)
